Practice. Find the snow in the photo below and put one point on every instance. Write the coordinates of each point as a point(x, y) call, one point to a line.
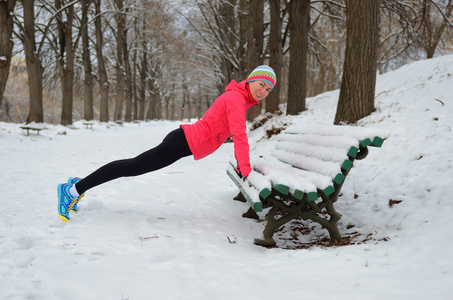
point(177, 234)
point(285, 176)
point(335, 154)
point(316, 140)
point(359, 133)
point(328, 168)
point(273, 168)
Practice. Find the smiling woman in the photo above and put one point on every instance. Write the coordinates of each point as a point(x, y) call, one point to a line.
point(259, 89)
point(225, 118)
point(263, 73)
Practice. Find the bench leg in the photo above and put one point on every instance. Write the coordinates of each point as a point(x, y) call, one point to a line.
point(304, 209)
point(289, 213)
point(240, 198)
point(335, 236)
point(251, 214)
point(329, 224)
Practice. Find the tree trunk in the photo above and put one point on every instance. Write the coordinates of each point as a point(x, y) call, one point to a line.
point(227, 25)
point(103, 81)
point(152, 111)
point(128, 75)
point(65, 60)
point(185, 105)
point(438, 31)
point(155, 106)
point(134, 85)
point(6, 45)
point(241, 51)
point(34, 67)
point(127, 82)
point(299, 23)
point(120, 81)
point(255, 41)
point(143, 73)
point(89, 78)
point(360, 65)
point(276, 54)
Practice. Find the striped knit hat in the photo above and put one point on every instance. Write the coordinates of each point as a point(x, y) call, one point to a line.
point(264, 73)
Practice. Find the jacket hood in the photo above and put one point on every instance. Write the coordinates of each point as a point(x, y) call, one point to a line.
point(241, 87)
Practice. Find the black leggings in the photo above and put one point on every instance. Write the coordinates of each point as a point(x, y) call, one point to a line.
point(173, 147)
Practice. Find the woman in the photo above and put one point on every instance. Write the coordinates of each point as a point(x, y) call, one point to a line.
point(224, 118)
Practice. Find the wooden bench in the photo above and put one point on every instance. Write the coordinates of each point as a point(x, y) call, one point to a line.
point(28, 128)
point(303, 176)
point(90, 124)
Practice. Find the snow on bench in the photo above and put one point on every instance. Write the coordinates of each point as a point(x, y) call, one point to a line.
point(304, 176)
point(256, 186)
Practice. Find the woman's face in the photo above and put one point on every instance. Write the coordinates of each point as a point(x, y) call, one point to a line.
point(259, 89)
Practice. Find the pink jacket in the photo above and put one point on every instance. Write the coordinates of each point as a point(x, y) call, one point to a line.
point(224, 118)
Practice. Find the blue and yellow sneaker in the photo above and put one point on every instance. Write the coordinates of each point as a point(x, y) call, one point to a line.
point(74, 180)
point(65, 201)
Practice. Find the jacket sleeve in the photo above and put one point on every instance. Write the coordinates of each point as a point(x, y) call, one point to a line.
point(235, 109)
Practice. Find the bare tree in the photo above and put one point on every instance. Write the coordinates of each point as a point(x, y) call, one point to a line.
point(88, 84)
point(326, 46)
point(120, 44)
point(433, 23)
point(34, 66)
point(102, 73)
point(155, 103)
point(359, 74)
point(224, 32)
point(65, 55)
point(226, 23)
point(127, 70)
point(242, 17)
point(143, 74)
point(276, 53)
point(255, 43)
point(299, 23)
point(6, 45)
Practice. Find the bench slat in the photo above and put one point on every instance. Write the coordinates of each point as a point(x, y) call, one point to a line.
point(377, 141)
point(297, 180)
point(331, 169)
point(319, 140)
point(366, 136)
point(250, 193)
point(257, 180)
point(324, 153)
point(331, 142)
point(359, 133)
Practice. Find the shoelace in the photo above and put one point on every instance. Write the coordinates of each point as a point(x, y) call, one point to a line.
point(74, 201)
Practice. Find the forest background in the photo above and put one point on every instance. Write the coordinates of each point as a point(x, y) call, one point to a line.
point(107, 60)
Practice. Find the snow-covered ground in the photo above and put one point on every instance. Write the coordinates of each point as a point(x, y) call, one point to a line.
point(166, 235)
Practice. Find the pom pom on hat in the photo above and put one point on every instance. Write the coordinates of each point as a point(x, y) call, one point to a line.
point(264, 73)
